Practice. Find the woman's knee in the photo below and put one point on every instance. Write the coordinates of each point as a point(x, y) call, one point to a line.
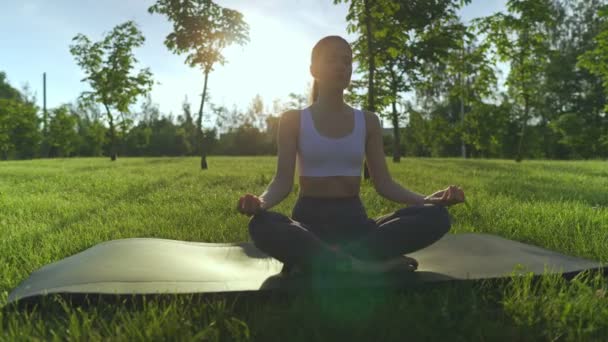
point(436, 215)
point(440, 217)
point(262, 223)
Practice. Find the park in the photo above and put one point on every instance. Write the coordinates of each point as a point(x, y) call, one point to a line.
point(124, 221)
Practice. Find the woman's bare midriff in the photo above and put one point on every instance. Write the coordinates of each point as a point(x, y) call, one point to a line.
point(329, 187)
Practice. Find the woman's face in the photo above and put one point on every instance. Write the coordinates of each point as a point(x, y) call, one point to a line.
point(333, 66)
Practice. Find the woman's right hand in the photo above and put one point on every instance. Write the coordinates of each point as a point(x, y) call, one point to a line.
point(450, 196)
point(249, 204)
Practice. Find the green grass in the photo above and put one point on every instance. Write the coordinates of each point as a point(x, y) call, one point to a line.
point(51, 209)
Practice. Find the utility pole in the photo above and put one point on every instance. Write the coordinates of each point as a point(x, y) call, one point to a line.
point(44, 118)
point(463, 147)
point(44, 148)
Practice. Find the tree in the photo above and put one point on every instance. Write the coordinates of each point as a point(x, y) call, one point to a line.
point(596, 60)
point(254, 115)
point(572, 89)
point(19, 133)
point(90, 128)
point(456, 83)
point(62, 133)
point(361, 20)
point(389, 41)
point(415, 35)
point(521, 38)
point(201, 29)
point(187, 124)
point(6, 90)
point(108, 65)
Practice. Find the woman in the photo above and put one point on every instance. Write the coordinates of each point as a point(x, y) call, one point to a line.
point(329, 227)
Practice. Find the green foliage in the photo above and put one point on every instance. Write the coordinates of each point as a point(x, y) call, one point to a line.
point(6, 90)
point(201, 29)
point(596, 60)
point(107, 65)
point(395, 41)
point(62, 132)
point(556, 96)
point(484, 129)
point(19, 132)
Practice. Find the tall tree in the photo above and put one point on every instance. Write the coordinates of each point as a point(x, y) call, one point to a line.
point(456, 83)
point(573, 109)
point(596, 59)
point(415, 35)
point(202, 29)
point(108, 65)
point(361, 20)
point(521, 38)
point(393, 36)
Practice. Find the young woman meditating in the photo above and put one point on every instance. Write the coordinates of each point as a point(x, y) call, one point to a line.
point(329, 227)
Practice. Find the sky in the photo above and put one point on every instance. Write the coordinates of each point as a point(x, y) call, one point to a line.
point(36, 35)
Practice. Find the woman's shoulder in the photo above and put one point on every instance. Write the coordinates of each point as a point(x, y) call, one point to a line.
point(368, 114)
point(371, 118)
point(290, 118)
point(290, 114)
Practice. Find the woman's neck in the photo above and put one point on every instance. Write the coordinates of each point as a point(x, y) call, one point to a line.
point(331, 101)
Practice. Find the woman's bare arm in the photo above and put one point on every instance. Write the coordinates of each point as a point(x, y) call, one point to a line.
point(282, 183)
point(376, 163)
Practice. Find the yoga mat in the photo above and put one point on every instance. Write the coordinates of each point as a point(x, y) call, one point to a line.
point(160, 266)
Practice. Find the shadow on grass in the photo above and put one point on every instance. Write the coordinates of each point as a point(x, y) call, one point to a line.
point(493, 310)
point(448, 311)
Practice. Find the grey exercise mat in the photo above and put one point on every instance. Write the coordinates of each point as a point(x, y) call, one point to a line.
point(157, 266)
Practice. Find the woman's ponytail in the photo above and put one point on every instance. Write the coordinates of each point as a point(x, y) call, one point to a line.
point(314, 94)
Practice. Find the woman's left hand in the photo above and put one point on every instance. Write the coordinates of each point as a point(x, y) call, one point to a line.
point(450, 196)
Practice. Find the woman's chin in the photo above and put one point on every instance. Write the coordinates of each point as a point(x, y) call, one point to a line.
point(339, 86)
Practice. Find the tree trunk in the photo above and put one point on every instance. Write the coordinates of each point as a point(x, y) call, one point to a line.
point(112, 134)
point(200, 124)
point(44, 148)
point(524, 84)
point(523, 129)
point(371, 106)
point(396, 137)
point(463, 147)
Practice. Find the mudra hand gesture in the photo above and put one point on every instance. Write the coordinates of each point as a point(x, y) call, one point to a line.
point(249, 204)
point(449, 196)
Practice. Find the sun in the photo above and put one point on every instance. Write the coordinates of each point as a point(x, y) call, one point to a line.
point(274, 63)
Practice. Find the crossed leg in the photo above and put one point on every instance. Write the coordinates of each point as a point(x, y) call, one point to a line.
point(403, 231)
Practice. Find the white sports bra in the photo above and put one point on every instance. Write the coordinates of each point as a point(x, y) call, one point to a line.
point(320, 156)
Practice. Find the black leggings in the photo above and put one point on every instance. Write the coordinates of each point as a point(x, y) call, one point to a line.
point(325, 229)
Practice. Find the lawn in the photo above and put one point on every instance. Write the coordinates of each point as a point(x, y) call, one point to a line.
point(51, 209)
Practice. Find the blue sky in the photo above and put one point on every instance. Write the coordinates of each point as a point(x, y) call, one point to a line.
point(36, 35)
